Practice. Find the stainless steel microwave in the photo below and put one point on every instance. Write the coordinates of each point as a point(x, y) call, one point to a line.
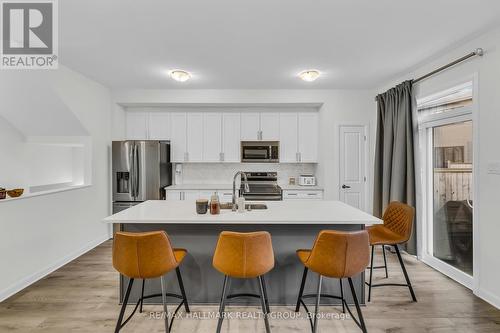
point(260, 151)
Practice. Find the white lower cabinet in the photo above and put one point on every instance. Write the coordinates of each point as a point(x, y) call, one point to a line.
point(227, 195)
point(172, 195)
point(224, 195)
point(303, 194)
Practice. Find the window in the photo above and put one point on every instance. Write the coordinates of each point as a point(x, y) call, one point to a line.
point(445, 102)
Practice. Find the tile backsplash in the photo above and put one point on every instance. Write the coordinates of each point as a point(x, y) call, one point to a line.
point(218, 173)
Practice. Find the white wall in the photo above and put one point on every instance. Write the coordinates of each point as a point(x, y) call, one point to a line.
point(13, 169)
point(487, 69)
point(339, 106)
point(38, 234)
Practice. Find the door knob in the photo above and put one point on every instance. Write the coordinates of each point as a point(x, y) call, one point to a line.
point(345, 186)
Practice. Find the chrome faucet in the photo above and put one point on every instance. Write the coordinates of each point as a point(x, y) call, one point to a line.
point(246, 187)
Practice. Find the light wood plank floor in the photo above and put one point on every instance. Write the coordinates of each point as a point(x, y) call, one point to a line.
point(83, 297)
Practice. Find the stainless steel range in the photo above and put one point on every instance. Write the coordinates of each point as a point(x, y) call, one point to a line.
point(263, 186)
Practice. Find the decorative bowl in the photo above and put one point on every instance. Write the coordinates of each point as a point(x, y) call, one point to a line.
point(17, 192)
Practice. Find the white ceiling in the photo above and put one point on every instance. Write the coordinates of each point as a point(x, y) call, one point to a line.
point(261, 44)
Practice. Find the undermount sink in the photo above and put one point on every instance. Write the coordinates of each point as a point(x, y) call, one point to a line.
point(247, 206)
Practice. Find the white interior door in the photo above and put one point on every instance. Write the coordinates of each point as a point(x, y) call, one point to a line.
point(353, 166)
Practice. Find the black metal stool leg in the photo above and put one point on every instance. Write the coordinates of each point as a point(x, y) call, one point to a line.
point(316, 310)
point(263, 302)
point(222, 304)
point(142, 295)
point(124, 306)
point(164, 301)
point(385, 262)
point(405, 274)
point(301, 291)
point(265, 293)
point(371, 274)
point(181, 287)
point(342, 295)
point(358, 308)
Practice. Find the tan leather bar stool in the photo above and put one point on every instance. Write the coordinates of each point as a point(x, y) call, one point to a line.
point(147, 255)
point(335, 254)
point(397, 228)
point(245, 256)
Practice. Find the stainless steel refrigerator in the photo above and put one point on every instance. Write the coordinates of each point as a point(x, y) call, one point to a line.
point(141, 171)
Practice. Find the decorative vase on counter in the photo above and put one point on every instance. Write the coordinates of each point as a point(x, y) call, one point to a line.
point(3, 193)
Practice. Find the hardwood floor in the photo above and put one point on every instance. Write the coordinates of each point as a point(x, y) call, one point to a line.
point(83, 297)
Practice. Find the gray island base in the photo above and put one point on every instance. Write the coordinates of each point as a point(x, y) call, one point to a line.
point(199, 234)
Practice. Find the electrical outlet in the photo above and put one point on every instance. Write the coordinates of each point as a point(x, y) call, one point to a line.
point(494, 168)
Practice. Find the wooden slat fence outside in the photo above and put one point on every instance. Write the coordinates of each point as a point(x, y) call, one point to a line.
point(452, 184)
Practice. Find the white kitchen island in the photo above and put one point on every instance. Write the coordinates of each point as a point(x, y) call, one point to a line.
point(292, 224)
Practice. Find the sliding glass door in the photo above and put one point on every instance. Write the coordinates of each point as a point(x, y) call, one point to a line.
point(452, 198)
point(447, 161)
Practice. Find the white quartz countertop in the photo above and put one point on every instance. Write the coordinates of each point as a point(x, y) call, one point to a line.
point(278, 212)
point(201, 187)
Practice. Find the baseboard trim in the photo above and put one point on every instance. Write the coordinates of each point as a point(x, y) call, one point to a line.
point(20, 285)
point(488, 297)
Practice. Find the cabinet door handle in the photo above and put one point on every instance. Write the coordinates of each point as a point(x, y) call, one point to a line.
point(297, 158)
point(312, 194)
point(344, 186)
point(221, 157)
point(186, 156)
point(300, 157)
point(290, 194)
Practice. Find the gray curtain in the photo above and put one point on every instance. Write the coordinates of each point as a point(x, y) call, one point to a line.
point(394, 178)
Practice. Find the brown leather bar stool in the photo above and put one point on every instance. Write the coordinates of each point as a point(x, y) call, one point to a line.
point(147, 255)
point(245, 256)
point(335, 254)
point(397, 228)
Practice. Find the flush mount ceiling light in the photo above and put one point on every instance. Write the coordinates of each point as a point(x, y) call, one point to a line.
point(309, 75)
point(180, 75)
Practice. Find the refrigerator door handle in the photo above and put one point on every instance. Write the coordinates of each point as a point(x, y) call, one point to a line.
point(132, 174)
point(136, 171)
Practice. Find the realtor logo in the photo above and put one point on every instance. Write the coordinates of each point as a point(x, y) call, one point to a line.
point(29, 34)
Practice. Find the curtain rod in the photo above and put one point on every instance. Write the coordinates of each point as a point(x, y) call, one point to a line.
point(477, 52)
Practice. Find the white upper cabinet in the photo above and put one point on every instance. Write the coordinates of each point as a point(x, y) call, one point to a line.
point(231, 137)
point(194, 137)
point(250, 126)
point(159, 126)
point(216, 136)
point(269, 126)
point(136, 125)
point(308, 137)
point(212, 137)
point(178, 136)
point(288, 137)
